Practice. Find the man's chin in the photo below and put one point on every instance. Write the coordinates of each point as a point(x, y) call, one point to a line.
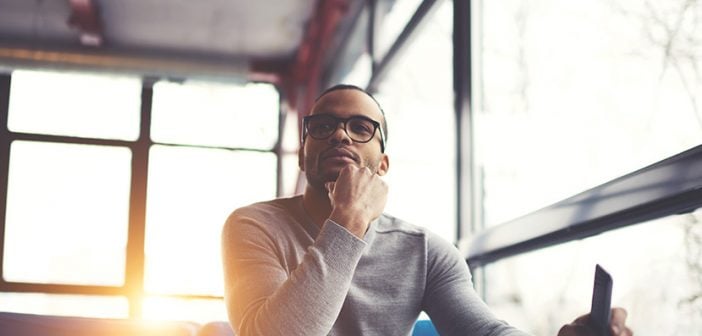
point(330, 173)
point(319, 180)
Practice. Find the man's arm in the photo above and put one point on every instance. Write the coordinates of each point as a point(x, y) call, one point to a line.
point(456, 309)
point(450, 299)
point(263, 299)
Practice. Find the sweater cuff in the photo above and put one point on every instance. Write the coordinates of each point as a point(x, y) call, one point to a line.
point(341, 248)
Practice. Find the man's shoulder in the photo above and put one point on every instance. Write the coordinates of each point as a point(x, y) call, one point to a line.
point(266, 209)
point(391, 224)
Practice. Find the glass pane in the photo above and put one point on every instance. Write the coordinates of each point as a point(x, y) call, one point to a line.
point(290, 143)
point(397, 15)
point(214, 114)
point(291, 138)
point(414, 99)
point(291, 174)
point(195, 310)
point(571, 95)
point(360, 72)
point(352, 62)
point(67, 213)
point(71, 104)
point(656, 268)
point(65, 305)
point(191, 192)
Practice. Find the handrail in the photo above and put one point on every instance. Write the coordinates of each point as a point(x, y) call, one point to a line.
point(668, 187)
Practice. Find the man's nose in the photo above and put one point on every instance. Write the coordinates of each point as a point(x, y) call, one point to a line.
point(340, 135)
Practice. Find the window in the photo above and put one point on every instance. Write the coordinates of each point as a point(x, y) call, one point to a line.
point(191, 193)
point(209, 114)
point(74, 104)
point(418, 102)
point(228, 133)
point(399, 12)
point(289, 159)
point(569, 96)
point(658, 279)
point(68, 189)
point(67, 213)
point(78, 165)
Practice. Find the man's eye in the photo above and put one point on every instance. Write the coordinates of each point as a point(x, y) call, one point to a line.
point(361, 128)
point(321, 128)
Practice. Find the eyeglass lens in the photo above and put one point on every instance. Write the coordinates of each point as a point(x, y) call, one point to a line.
point(359, 129)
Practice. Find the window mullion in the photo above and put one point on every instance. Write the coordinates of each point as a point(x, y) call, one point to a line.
point(134, 272)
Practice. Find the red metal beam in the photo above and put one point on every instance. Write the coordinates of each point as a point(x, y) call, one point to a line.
point(300, 78)
point(84, 17)
point(315, 47)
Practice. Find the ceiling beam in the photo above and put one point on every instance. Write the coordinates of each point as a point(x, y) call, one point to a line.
point(320, 33)
point(133, 63)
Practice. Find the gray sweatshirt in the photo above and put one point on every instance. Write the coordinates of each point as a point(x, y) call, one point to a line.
point(286, 276)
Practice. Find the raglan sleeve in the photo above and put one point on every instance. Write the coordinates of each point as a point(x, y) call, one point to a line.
point(450, 299)
point(262, 295)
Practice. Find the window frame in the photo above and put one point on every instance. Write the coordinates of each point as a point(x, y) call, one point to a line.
point(133, 287)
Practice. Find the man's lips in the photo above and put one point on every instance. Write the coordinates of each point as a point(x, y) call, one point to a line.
point(339, 154)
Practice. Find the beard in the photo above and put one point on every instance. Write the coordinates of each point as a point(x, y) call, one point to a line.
point(325, 172)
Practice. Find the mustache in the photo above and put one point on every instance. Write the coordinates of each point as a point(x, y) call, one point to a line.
point(339, 151)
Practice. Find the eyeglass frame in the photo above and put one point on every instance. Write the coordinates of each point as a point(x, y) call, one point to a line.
point(376, 125)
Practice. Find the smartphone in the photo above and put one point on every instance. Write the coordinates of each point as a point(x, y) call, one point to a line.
point(600, 312)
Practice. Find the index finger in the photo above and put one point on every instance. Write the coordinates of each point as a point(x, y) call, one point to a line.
point(618, 322)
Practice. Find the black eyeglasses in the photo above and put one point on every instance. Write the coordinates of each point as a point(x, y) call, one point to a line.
point(359, 128)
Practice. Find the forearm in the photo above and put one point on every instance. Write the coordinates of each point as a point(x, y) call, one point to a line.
point(265, 300)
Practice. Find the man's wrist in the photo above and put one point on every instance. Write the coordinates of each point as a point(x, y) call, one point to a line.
point(350, 222)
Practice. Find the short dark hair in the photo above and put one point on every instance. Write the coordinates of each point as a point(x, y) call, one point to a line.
point(337, 87)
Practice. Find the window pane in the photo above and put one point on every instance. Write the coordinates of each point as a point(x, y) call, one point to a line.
point(291, 139)
point(656, 267)
point(418, 102)
point(65, 305)
point(360, 72)
point(196, 310)
point(191, 192)
point(291, 174)
point(399, 12)
point(71, 104)
point(214, 114)
point(352, 62)
point(67, 213)
point(572, 95)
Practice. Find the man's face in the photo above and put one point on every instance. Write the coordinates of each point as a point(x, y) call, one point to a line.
point(322, 160)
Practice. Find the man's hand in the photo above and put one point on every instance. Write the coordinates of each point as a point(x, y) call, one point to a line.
point(581, 327)
point(357, 197)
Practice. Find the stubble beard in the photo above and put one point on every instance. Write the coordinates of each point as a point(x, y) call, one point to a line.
point(319, 180)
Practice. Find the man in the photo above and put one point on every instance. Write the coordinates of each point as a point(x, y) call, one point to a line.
point(329, 262)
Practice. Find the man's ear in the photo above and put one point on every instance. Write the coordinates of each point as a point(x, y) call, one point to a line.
point(384, 165)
